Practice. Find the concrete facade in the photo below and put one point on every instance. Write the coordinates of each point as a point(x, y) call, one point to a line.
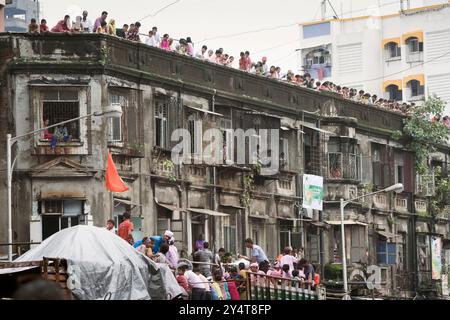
point(347, 143)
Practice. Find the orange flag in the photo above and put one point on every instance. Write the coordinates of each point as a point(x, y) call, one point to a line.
point(114, 182)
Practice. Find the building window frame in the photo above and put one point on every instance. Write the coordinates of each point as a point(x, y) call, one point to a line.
point(386, 252)
point(161, 124)
point(59, 209)
point(414, 49)
point(226, 127)
point(393, 51)
point(68, 97)
point(393, 92)
point(416, 91)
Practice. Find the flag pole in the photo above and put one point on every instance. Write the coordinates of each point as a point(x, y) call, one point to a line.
point(111, 199)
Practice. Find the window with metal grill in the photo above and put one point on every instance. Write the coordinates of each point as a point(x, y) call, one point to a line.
point(115, 131)
point(194, 126)
point(59, 106)
point(161, 130)
point(228, 141)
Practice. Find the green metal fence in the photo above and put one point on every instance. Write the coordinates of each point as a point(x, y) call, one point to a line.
point(263, 287)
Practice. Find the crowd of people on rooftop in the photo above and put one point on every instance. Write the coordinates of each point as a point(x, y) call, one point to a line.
point(185, 46)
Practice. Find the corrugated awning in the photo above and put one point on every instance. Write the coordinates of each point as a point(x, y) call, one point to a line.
point(260, 113)
point(205, 111)
point(311, 126)
point(258, 217)
point(169, 207)
point(346, 222)
point(387, 235)
point(127, 202)
point(319, 224)
point(287, 218)
point(232, 206)
point(289, 124)
point(208, 212)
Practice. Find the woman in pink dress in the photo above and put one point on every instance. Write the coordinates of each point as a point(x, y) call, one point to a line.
point(189, 47)
point(165, 42)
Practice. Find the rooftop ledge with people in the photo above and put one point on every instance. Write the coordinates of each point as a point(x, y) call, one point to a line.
point(99, 52)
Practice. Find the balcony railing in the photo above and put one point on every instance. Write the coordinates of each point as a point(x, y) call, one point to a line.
point(380, 201)
point(419, 97)
point(344, 166)
point(421, 207)
point(412, 57)
point(401, 205)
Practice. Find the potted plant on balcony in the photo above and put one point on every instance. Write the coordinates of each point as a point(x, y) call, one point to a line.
point(169, 167)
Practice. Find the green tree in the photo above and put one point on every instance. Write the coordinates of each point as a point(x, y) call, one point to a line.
point(423, 135)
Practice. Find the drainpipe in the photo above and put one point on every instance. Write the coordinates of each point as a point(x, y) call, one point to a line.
point(413, 266)
point(321, 248)
point(141, 105)
point(213, 220)
point(187, 225)
point(322, 241)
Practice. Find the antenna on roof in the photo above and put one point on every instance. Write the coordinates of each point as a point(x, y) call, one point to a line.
point(336, 16)
point(403, 3)
point(324, 8)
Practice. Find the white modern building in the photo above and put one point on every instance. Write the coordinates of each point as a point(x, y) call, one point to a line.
point(18, 14)
point(403, 55)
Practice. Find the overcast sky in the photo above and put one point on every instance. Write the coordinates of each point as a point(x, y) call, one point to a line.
point(212, 22)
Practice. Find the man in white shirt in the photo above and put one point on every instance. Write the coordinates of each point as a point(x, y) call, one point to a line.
point(257, 255)
point(157, 36)
point(202, 53)
point(151, 40)
point(288, 259)
point(110, 224)
point(194, 282)
point(86, 24)
point(205, 282)
point(265, 66)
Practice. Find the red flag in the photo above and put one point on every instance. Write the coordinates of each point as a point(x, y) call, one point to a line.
point(114, 182)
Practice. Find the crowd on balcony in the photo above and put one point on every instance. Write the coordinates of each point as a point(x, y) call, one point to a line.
point(185, 46)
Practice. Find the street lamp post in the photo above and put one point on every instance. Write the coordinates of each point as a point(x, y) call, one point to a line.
point(398, 188)
point(113, 110)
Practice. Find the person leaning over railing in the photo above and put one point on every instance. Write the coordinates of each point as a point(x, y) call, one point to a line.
point(308, 270)
point(257, 255)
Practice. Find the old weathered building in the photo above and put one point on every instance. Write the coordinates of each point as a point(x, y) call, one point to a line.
point(59, 77)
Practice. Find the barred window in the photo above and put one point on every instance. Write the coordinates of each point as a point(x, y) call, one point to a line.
point(115, 131)
point(161, 129)
point(59, 106)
